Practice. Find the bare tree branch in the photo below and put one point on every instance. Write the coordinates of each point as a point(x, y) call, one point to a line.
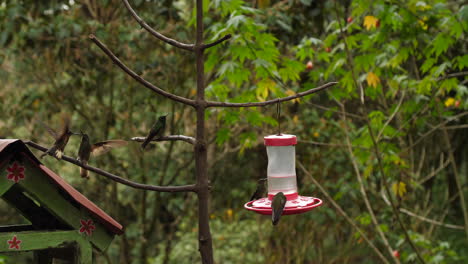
point(274, 101)
point(187, 139)
point(153, 32)
point(439, 126)
point(137, 77)
point(362, 188)
point(387, 190)
point(342, 212)
point(457, 127)
point(434, 173)
point(330, 144)
point(422, 218)
point(452, 75)
point(457, 176)
point(349, 56)
point(336, 111)
point(209, 45)
point(183, 188)
point(391, 117)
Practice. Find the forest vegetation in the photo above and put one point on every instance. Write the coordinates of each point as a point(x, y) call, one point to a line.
point(386, 148)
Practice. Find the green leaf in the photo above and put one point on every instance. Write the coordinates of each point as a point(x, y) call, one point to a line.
point(376, 118)
point(463, 13)
point(441, 43)
point(291, 70)
point(462, 62)
point(427, 64)
point(240, 53)
point(227, 67)
point(236, 20)
point(223, 135)
point(442, 68)
point(306, 2)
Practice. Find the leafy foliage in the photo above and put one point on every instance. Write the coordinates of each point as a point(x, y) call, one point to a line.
point(399, 55)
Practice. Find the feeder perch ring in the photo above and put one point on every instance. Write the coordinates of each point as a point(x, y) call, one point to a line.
point(299, 205)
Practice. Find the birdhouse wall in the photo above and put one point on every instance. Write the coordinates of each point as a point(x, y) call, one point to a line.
point(41, 189)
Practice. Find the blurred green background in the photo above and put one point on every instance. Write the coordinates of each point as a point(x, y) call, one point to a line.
point(407, 59)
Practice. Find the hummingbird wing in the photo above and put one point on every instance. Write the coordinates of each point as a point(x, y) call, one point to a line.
point(278, 204)
point(153, 133)
point(260, 191)
point(52, 132)
point(100, 148)
point(65, 124)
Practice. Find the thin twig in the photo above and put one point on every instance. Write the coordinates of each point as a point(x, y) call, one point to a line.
point(422, 218)
point(387, 190)
point(329, 144)
point(457, 177)
point(349, 56)
point(452, 75)
point(209, 45)
point(391, 117)
point(138, 77)
point(336, 111)
point(183, 188)
point(187, 139)
point(450, 119)
point(153, 32)
point(363, 190)
point(274, 101)
point(457, 126)
point(413, 117)
point(343, 213)
point(434, 173)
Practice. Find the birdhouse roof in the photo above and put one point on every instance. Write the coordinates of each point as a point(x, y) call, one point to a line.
point(9, 147)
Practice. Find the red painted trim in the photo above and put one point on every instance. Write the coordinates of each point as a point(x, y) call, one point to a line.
point(280, 141)
point(289, 197)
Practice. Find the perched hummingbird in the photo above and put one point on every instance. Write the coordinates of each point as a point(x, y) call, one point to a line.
point(86, 149)
point(279, 201)
point(260, 191)
point(61, 139)
point(156, 131)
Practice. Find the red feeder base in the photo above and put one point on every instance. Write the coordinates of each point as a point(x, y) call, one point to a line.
point(299, 205)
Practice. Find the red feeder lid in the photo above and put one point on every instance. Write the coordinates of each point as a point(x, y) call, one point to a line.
point(299, 205)
point(280, 140)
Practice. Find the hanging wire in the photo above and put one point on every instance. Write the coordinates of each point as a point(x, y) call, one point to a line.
point(278, 115)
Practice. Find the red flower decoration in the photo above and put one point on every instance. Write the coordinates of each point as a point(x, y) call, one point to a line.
point(87, 227)
point(14, 243)
point(15, 172)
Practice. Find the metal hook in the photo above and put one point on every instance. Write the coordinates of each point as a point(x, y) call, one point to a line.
point(278, 115)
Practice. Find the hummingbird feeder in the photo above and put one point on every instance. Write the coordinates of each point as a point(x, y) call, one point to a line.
point(281, 174)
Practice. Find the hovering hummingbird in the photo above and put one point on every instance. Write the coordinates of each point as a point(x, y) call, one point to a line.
point(279, 201)
point(61, 139)
point(260, 191)
point(156, 131)
point(86, 149)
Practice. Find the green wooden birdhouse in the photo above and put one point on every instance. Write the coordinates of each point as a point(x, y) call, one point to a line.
point(64, 224)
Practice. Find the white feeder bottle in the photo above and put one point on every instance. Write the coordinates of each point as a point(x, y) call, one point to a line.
point(281, 174)
point(281, 170)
